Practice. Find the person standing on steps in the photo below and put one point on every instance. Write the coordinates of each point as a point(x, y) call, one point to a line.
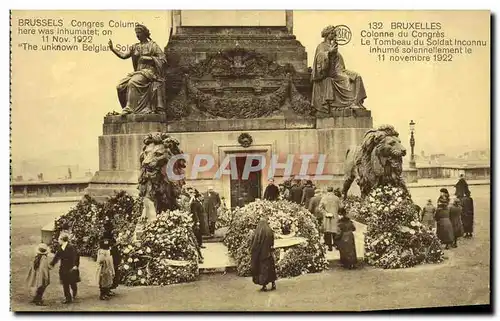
point(211, 202)
point(197, 213)
point(272, 192)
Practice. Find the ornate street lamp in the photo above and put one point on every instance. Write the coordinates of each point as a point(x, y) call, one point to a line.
point(412, 145)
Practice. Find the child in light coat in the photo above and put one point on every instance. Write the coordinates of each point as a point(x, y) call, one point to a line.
point(38, 276)
point(105, 270)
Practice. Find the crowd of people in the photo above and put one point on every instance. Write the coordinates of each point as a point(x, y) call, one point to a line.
point(336, 226)
point(450, 220)
point(332, 220)
point(66, 254)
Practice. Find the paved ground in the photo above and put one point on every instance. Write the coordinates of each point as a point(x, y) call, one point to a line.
point(462, 280)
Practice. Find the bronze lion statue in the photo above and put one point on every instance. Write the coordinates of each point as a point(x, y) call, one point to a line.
point(157, 182)
point(378, 161)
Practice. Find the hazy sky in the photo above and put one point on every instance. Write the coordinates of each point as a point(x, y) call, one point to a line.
point(59, 99)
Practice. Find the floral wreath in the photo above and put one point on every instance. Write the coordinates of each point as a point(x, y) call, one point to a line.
point(283, 225)
point(245, 140)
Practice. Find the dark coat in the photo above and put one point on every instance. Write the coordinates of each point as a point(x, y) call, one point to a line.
point(346, 243)
point(69, 258)
point(444, 227)
point(461, 188)
point(271, 193)
point(263, 267)
point(456, 220)
point(296, 194)
point(307, 194)
point(197, 215)
point(211, 201)
point(468, 214)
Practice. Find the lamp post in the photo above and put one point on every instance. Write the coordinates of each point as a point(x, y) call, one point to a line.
point(412, 145)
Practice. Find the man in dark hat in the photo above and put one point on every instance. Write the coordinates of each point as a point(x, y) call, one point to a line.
point(68, 269)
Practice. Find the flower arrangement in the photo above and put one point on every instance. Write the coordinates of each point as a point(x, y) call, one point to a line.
point(81, 219)
point(354, 209)
point(395, 238)
point(224, 216)
point(165, 253)
point(282, 216)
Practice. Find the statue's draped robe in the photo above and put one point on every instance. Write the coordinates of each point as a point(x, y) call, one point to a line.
point(333, 85)
point(142, 91)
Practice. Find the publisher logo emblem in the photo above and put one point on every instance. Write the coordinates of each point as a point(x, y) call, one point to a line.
point(344, 34)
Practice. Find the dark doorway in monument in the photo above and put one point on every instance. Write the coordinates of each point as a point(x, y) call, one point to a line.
point(245, 190)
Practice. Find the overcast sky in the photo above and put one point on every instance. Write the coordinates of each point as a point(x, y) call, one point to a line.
point(59, 98)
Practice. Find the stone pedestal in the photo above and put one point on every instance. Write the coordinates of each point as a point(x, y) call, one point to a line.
point(122, 142)
point(119, 150)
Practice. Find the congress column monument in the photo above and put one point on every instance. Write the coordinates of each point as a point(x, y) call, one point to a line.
point(237, 91)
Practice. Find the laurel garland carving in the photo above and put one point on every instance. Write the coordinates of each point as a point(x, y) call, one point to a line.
point(243, 107)
point(299, 103)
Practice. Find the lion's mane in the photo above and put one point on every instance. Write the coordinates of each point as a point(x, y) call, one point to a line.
point(158, 150)
point(378, 163)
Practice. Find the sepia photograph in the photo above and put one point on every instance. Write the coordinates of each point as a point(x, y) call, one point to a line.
point(250, 160)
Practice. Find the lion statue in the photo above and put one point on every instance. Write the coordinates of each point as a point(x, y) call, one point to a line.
point(160, 183)
point(378, 161)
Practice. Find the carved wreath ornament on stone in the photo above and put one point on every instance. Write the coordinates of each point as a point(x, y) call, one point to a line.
point(245, 140)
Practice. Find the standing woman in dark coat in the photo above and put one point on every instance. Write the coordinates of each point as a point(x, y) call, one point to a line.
point(263, 267)
point(444, 227)
point(456, 220)
point(346, 244)
point(468, 215)
point(461, 187)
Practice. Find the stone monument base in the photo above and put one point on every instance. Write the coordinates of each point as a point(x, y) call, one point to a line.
point(122, 142)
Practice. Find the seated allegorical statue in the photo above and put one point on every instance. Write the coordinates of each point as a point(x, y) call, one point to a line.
point(142, 91)
point(333, 85)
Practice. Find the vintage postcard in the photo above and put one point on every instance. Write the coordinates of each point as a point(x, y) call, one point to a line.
point(182, 160)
